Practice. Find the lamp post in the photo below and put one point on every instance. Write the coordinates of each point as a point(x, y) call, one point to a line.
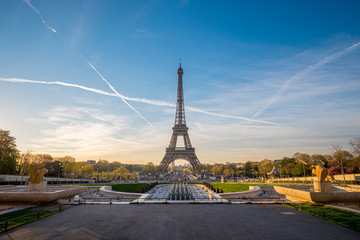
point(280, 173)
point(264, 174)
point(59, 164)
point(342, 169)
point(304, 172)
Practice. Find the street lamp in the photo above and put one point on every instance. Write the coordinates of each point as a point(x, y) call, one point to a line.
point(59, 164)
point(304, 172)
point(342, 169)
point(280, 172)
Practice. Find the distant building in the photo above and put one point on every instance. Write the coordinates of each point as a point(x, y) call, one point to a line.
point(277, 161)
point(91, 162)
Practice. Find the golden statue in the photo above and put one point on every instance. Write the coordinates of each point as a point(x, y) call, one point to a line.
point(319, 170)
point(37, 172)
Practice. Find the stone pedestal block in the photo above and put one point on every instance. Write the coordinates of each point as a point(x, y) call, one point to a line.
point(37, 187)
point(324, 186)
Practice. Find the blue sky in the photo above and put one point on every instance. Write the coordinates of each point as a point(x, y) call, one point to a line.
point(262, 79)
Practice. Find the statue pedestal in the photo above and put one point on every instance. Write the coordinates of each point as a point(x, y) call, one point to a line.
point(37, 187)
point(323, 186)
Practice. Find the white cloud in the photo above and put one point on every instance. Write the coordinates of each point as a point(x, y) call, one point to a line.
point(78, 129)
point(86, 132)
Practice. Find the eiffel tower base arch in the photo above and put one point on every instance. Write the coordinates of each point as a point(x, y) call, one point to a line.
point(173, 154)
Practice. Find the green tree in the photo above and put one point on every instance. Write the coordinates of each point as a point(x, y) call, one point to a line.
point(265, 166)
point(68, 165)
point(228, 172)
point(298, 170)
point(248, 167)
point(8, 153)
point(217, 169)
point(122, 172)
point(148, 168)
point(300, 167)
point(133, 175)
point(355, 164)
point(288, 165)
point(87, 170)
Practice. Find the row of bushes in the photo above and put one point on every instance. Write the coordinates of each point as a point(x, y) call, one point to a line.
point(217, 190)
point(149, 187)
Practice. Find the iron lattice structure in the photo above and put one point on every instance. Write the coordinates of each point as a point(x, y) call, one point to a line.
point(180, 129)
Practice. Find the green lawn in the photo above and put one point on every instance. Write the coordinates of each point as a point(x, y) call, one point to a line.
point(339, 216)
point(129, 187)
point(231, 187)
point(21, 221)
point(270, 184)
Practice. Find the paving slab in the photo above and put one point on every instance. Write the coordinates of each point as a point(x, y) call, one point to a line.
point(181, 221)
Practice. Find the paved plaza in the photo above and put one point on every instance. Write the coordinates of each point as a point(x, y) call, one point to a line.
point(181, 221)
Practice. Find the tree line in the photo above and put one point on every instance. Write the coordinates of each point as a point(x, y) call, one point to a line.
point(339, 161)
point(12, 161)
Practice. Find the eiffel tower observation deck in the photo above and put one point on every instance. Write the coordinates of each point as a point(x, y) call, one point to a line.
point(180, 130)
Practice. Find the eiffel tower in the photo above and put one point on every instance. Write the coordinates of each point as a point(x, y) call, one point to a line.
point(180, 129)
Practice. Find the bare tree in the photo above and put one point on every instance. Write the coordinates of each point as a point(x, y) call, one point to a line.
point(23, 163)
point(355, 144)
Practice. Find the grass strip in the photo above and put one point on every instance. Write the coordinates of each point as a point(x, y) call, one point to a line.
point(342, 217)
point(231, 187)
point(23, 220)
point(129, 187)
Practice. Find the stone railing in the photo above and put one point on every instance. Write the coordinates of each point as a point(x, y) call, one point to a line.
point(107, 192)
point(254, 191)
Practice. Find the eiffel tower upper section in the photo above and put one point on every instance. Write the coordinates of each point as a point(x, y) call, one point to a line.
point(180, 128)
point(180, 109)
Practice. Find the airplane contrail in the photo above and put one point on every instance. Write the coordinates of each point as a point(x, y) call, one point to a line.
point(302, 73)
point(166, 104)
point(38, 13)
point(116, 92)
point(142, 100)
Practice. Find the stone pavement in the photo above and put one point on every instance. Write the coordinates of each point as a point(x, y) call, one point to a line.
point(181, 221)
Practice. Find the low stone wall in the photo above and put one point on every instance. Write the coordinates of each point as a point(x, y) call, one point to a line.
point(107, 192)
point(254, 191)
point(338, 177)
point(40, 197)
point(349, 188)
point(294, 194)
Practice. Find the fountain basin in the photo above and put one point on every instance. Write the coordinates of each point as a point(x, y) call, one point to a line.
point(318, 197)
point(22, 196)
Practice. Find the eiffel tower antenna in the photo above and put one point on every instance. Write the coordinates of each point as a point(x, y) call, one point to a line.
point(180, 129)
